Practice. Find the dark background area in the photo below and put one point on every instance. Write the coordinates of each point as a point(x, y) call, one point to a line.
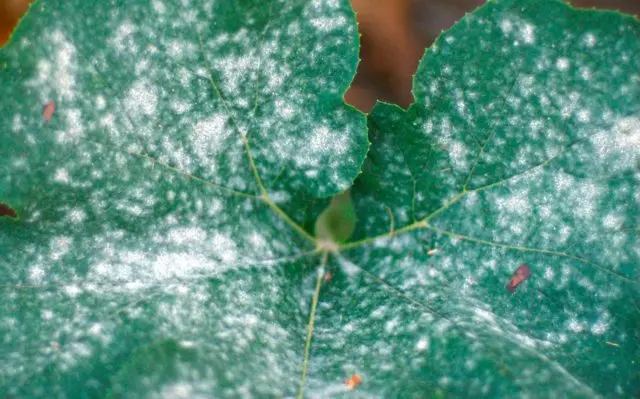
point(394, 36)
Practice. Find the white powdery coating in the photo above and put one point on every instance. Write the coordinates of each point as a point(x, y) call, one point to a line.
point(327, 24)
point(586, 196)
point(59, 246)
point(517, 203)
point(226, 248)
point(285, 109)
point(142, 98)
point(569, 213)
point(576, 326)
point(430, 339)
point(235, 67)
point(506, 25)
point(56, 76)
point(259, 243)
point(159, 7)
point(181, 48)
point(458, 154)
point(182, 265)
point(584, 115)
point(186, 250)
point(122, 40)
point(74, 128)
point(186, 304)
point(186, 235)
point(323, 8)
point(36, 274)
point(77, 215)
point(621, 145)
point(589, 40)
point(199, 253)
point(422, 344)
point(528, 33)
point(180, 106)
point(613, 221)
point(62, 176)
point(209, 136)
point(184, 390)
point(562, 63)
point(65, 65)
point(101, 102)
point(323, 142)
point(17, 124)
point(516, 27)
point(599, 328)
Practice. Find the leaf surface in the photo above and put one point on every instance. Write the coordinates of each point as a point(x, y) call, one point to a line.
point(145, 146)
point(158, 249)
point(522, 147)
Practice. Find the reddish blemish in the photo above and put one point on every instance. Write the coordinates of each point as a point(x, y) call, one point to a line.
point(6, 210)
point(327, 277)
point(48, 110)
point(353, 381)
point(522, 273)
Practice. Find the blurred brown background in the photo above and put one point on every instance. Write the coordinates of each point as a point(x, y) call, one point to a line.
point(396, 32)
point(394, 36)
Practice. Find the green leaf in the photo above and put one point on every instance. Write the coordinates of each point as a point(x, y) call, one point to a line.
point(148, 201)
point(522, 146)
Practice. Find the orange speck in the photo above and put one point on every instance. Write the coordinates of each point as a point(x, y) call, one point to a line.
point(48, 110)
point(353, 381)
point(432, 251)
point(327, 277)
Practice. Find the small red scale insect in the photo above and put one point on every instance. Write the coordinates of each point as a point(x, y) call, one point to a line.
point(521, 274)
point(48, 110)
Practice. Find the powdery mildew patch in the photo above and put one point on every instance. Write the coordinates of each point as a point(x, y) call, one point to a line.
point(530, 159)
point(189, 272)
point(151, 271)
point(149, 231)
point(435, 329)
point(56, 71)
